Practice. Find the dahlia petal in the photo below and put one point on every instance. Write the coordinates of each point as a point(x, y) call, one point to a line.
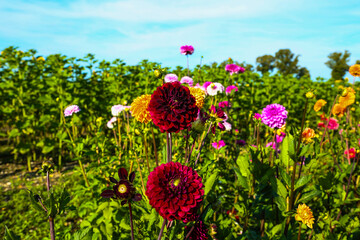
point(137, 197)
point(132, 176)
point(123, 174)
point(107, 193)
point(113, 180)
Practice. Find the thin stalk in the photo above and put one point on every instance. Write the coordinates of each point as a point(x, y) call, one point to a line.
point(141, 176)
point(83, 173)
point(131, 221)
point(168, 147)
point(162, 230)
point(117, 143)
point(327, 123)
point(51, 219)
point(119, 130)
point(202, 145)
point(299, 233)
point(191, 150)
point(154, 143)
point(187, 60)
point(146, 153)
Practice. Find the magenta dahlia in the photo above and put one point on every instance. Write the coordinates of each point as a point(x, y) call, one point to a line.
point(233, 68)
point(199, 232)
point(175, 191)
point(187, 50)
point(274, 115)
point(123, 189)
point(172, 108)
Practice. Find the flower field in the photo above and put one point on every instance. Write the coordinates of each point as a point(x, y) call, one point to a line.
point(103, 150)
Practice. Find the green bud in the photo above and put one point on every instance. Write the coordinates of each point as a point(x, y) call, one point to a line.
point(47, 166)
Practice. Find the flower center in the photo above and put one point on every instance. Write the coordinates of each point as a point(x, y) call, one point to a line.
point(122, 188)
point(175, 182)
point(213, 86)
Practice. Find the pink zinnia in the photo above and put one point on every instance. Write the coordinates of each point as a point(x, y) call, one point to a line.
point(233, 68)
point(224, 104)
point(229, 89)
point(71, 109)
point(171, 78)
point(351, 152)
point(187, 80)
point(218, 145)
point(186, 50)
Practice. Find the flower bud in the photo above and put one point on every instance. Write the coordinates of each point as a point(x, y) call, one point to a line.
point(157, 73)
point(309, 95)
point(47, 166)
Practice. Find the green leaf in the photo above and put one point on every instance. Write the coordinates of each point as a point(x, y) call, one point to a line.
point(243, 163)
point(153, 218)
point(53, 210)
point(309, 196)
point(303, 180)
point(210, 182)
point(242, 180)
point(286, 177)
point(35, 202)
point(285, 150)
point(47, 149)
point(64, 200)
point(9, 235)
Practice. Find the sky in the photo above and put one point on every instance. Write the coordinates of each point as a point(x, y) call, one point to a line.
point(133, 30)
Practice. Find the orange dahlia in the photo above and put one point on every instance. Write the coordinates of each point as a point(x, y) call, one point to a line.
point(348, 97)
point(338, 110)
point(199, 96)
point(305, 215)
point(307, 135)
point(139, 108)
point(354, 70)
point(319, 104)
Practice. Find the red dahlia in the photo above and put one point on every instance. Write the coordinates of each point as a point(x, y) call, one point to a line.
point(175, 191)
point(172, 107)
point(199, 232)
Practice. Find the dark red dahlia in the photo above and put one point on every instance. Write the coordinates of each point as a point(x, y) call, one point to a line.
point(175, 191)
point(199, 232)
point(172, 107)
point(124, 189)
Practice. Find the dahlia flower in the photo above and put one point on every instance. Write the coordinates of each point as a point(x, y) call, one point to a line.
point(224, 104)
point(170, 78)
point(187, 50)
point(199, 95)
point(227, 125)
point(206, 84)
point(200, 87)
point(110, 123)
point(214, 88)
point(354, 70)
point(347, 98)
point(338, 110)
point(123, 189)
point(219, 144)
point(351, 152)
point(333, 124)
point(139, 108)
point(229, 89)
point(217, 117)
point(257, 116)
point(116, 110)
point(172, 108)
point(307, 135)
point(233, 68)
point(319, 104)
point(175, 191)
point(187, 80)
point(274, 115)
point(199, 232)
point(71, 109)
point(304, 215)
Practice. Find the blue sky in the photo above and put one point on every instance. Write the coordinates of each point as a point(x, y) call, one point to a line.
point(133, 30)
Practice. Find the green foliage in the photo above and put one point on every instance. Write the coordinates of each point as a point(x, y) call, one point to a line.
point(338, 63)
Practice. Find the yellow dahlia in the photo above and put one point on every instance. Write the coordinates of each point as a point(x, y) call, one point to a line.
point(139, 108)
point(338, 110)
point(354, 70)
point(305, 215)
point(319, 104)
point(199, 96)
point(348, 97)
point(307, 135)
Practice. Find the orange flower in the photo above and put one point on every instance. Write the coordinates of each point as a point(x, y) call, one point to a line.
point(305, 215)
point(139, 108)
point(307, 135)
point(319, 104)
point(348, 97)
point(354, 70)
point(338, 110)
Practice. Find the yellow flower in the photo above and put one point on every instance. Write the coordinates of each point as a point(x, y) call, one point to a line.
point(307, 135)
point(281, 130)
point(199, 96)
point(354, 70)
point(309, 95)
point(338, 110)
point(338, 81)
point(40, 59)
point(348, 97)
point(319, 104)
point(305, 215)
point(139, 108)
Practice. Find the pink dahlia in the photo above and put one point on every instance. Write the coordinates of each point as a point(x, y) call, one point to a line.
point(231, 88)
point(170, 78)
point(110, 123)
point(214, 88)
point(187, 50)
point(199, 232)
point(224, 104)
point(71, 109)
point(116, 110)
point(351, 152)
point(175, 191)
point(219, 144)
point(233, 68)
point(187, 80)
point(274, 115)
point(172, 108)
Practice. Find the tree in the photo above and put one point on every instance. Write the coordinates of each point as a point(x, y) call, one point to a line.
point(286, 62)
point(338, 64)
point(357, 62)
point(265, 63)
point(303, 72)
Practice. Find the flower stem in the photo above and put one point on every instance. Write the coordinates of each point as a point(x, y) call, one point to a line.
point(146, 152)
point(327, 123)
point(187, 60)
point(168, 147)
point(131, 221)
point(162, 230)
point(154, 143)
point(202, 145)
point(299, 234)
point(51, 219)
